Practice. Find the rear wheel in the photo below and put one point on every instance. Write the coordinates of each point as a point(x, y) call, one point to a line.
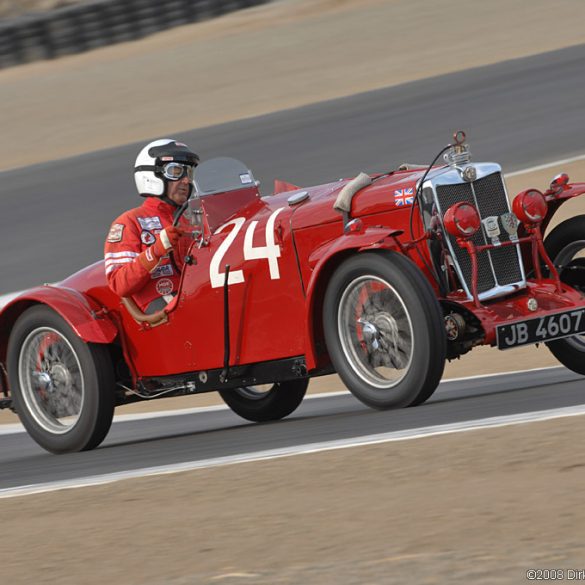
point(566, 247)
point(384, 330)
point(268, 401)
point(62, 388)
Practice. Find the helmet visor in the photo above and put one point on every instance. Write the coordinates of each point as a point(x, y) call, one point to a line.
point(174, 171)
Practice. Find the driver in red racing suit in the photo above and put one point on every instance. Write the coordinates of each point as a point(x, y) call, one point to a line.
point(137, 260)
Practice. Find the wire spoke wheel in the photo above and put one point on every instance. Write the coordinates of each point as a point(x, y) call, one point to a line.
point(384, 330)
point(51, 379)
point(62, 387)
point(375, 331)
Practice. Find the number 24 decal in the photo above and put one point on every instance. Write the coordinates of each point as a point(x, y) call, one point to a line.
point(271, 251)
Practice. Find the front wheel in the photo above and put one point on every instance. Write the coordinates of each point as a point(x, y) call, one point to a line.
point(266, 402)
point(566, 247)
point(62, 388)
point(384, 330)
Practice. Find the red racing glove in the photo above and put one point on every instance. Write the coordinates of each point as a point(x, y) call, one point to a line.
point(166, 240)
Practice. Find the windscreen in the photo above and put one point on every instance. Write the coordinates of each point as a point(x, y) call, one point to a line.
point(219, 175)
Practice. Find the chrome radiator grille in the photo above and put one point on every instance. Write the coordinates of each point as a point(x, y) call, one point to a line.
point(499, 267)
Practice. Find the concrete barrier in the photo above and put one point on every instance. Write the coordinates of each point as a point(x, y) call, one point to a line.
point(86, 26)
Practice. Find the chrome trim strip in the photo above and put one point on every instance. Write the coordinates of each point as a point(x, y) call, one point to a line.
point(483, 235)
point(499, 291)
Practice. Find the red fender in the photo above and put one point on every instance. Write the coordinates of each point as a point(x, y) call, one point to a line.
point(85, 316)
point(569, 191)
point(326, 258)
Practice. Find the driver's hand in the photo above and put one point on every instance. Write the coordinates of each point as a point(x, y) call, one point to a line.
point(165, 241)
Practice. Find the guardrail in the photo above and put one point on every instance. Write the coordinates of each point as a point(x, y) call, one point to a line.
point(86, 26)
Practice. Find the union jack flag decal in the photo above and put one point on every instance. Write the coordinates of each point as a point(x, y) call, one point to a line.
point(404, 196)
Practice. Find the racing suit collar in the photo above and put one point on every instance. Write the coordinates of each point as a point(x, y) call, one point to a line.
point(157, 205)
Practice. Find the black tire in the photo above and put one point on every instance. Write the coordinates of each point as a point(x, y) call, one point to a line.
point(259, 404)
point(565, 242)
point(388, 343)
point(62, 387)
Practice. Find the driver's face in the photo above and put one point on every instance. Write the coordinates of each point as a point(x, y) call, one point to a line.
point(178, 191)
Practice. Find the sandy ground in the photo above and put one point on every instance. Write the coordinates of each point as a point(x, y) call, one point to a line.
point(285, 54)
point(481, 507)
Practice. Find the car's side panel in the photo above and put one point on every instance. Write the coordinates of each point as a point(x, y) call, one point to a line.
point(265, 299)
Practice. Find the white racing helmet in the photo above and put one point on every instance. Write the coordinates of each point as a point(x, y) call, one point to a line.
point(158, 162)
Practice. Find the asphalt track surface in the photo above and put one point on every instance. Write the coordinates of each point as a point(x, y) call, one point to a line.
point(54, 216)
point(192, 437)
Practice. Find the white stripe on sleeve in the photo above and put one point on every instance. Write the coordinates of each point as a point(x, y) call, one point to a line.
point(127, 254)
point(113, 264)
point(119, 261)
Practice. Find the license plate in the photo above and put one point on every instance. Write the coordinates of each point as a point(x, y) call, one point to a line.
point(541, 329)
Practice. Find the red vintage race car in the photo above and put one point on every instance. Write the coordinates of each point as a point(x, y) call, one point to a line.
point(380, 278)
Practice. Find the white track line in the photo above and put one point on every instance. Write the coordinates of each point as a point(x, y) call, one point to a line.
point(563, 161)
point(422, 432)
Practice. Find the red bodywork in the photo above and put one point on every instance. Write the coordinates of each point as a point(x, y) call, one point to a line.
point(276, 289)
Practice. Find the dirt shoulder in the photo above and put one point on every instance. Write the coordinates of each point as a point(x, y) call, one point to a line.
point(284, 54)
point(478, 507)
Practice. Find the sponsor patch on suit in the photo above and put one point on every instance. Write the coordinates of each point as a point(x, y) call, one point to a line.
point(160, 271)
point(164, 286)
point(147, 238)
point(115, 233)
point(150, 223)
